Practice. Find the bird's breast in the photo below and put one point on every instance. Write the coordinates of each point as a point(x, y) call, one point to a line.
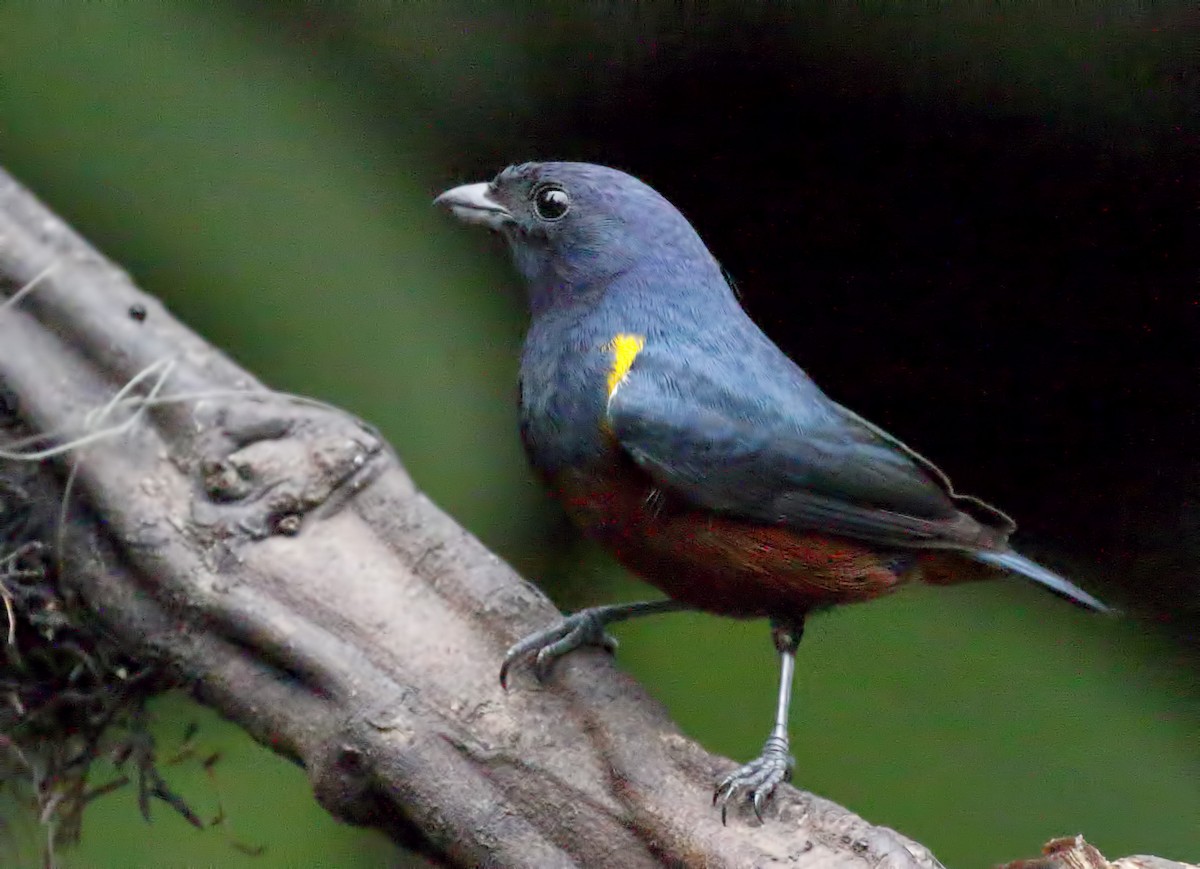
point(567, 380)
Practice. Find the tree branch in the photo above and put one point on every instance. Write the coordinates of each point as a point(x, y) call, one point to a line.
point(272, 553)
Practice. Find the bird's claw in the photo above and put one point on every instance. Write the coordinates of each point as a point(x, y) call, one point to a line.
point(757, 779)
point(584, 628)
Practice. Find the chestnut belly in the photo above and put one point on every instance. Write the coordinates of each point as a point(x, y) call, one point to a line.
point(719, 563)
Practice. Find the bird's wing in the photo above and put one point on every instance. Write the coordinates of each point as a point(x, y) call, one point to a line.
point(786, 455)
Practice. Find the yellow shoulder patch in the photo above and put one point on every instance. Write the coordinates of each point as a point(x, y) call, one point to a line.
point(625, 349)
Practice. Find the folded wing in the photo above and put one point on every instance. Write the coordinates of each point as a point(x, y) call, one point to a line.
point(788, 454)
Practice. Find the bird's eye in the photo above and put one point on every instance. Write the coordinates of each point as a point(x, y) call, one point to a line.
point(551, 202)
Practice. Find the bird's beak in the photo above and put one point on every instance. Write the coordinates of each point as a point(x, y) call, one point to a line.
point(473, 203)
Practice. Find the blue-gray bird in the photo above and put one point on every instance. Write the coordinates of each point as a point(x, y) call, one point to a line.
point(673, 431)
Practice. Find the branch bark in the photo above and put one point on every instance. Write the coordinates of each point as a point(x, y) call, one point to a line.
point(273, 554)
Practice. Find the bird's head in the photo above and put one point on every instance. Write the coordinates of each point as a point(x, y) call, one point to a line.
point(576, 228)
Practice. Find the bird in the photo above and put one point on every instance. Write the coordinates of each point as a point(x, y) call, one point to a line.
point(676, 433)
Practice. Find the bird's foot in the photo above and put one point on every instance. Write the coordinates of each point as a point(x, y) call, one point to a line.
point(757, 779)
point(584, 628)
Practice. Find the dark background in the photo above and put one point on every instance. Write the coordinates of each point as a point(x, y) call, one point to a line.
point(974, 224)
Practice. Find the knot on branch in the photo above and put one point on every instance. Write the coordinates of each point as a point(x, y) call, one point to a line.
point(343, 782)
point(267, 460)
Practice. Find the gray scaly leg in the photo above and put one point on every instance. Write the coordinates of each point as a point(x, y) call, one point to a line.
point(759, 778)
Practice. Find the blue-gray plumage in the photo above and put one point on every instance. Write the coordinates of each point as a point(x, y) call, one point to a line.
point(679, 435)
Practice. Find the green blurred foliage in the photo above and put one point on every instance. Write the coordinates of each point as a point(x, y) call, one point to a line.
point(249, 174)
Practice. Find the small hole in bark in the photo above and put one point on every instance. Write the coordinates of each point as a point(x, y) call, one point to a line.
point(288, 525)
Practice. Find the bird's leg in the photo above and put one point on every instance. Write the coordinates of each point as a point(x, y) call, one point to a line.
point(759, 778)
point(584, 628)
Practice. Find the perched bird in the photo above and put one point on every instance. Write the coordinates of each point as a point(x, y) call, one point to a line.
point(678, 435)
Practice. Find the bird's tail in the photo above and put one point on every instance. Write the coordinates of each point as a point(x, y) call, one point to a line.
point(1015, 562)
